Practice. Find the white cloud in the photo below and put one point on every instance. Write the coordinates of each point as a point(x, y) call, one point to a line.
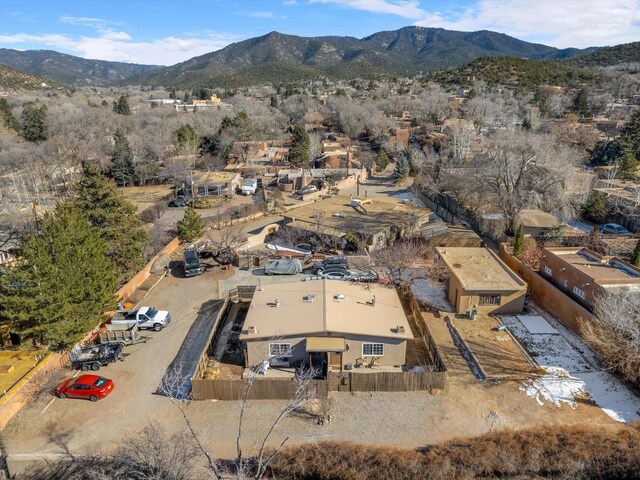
point(561, 23)
point(87, 21)
point(403, 8)
point(264, 15)
point(119, 46)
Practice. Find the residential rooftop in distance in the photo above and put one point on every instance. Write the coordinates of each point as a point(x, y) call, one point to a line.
point(601, 269)
point(478, 268)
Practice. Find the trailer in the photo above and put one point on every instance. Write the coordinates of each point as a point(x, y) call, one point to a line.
point(124, 333)
point(95, 356)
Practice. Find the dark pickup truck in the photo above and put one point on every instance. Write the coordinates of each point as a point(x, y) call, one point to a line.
point(95, 356)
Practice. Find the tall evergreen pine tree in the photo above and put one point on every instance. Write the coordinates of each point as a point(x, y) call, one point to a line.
point(190, 227)
point(63, 283)
point(122, 167)
point(115, 218)
point(300, 149)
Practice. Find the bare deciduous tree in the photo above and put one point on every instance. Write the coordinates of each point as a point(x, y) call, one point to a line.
point(615, 332)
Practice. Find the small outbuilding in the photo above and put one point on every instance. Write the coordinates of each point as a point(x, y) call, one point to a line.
point(480, 281)
point(537, 223)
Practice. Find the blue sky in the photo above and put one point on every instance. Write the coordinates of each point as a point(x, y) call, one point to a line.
point(170, 31)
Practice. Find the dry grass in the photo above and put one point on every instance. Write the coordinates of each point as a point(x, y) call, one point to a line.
point(549, 452)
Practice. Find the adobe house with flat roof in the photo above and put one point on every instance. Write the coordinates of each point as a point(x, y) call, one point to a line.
point(480, 279)
point(380, 220)
point(537, 223)
point(584, 275)
point(328, 324)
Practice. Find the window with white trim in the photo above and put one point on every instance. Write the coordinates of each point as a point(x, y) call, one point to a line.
point(372, 349)
point(579, 293)
point(548, 271)
point(280, 349)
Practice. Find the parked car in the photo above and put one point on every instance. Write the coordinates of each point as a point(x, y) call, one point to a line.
point(309, 189)
point(180, 201)
point(191, 263)
point(284, 266)
point(249, 186)
point(331, 269)
point(614, 229)
point(337, 275)
point(92, 387)
point(331, 262)
point(144, 317)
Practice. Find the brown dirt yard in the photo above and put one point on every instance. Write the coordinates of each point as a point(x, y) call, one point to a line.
point(147, 196)
point(466, 407)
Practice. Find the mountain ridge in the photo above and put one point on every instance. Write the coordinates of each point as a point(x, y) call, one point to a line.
point(406, 51)
point(69, 69)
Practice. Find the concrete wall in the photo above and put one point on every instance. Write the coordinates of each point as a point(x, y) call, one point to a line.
point(394, 349)
point(30, 385)
point(138, 279)
point(571, 314)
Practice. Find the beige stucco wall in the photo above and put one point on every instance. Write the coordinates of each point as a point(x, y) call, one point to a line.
point(394, 349)
point(463, 300)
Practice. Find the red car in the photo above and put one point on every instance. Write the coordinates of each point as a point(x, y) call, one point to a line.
point(93, 387)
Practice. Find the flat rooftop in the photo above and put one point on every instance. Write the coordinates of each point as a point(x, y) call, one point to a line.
point(479, 269)
point(599, 268)
point(325, 306)
point(213, 177)
point(538, 218)
point(378, 213)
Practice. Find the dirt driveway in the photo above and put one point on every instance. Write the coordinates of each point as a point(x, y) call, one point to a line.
point(51, 425)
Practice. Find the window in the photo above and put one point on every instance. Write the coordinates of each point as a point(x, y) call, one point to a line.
point(564, 283)
point(548, 271)
point(280, 349)
point(372, 349)
point(579, 293)
point(489, 300)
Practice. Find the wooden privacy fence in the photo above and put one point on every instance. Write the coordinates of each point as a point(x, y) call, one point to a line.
point(285, 388)
point(260, 389)
point(432, 348)
point(385, 381)
point(242, 293)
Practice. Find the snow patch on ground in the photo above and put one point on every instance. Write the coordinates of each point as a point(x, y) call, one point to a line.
point(557, 386)
point(429, 292)
point(578, 225)
point(536, 324)
point(569, 373)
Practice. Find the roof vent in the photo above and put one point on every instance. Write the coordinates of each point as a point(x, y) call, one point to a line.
point(339, 297)
point(400, 329)
point(309, 298)
point(252, 331)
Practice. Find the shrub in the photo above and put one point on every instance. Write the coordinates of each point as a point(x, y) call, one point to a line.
point(546, 452)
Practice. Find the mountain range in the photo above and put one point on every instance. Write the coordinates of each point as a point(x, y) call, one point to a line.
point(407, 51)
point(69, 69)
point(277, 57)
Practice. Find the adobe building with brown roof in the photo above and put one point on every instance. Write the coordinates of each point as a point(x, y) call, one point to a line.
point(584, 275)
point(480, 280)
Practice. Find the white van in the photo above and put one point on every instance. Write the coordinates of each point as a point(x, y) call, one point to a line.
point(249, 186)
